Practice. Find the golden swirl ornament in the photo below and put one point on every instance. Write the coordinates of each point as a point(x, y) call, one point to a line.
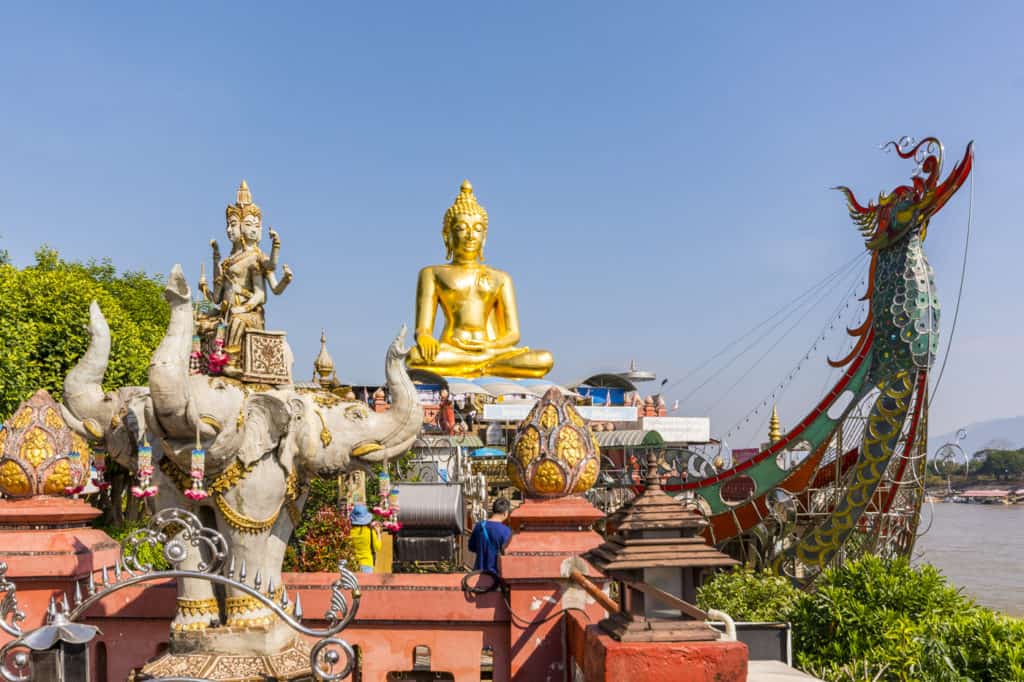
point(554, 453)
point(39, 454)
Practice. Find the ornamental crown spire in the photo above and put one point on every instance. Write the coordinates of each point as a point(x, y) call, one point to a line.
point(464, 204)
point(243, 205)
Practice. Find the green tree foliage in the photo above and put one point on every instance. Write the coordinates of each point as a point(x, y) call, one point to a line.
point(44, 313)
point(1003, 465)
point(879, 620)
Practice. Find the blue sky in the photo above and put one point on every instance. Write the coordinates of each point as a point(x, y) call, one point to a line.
point(657, 177)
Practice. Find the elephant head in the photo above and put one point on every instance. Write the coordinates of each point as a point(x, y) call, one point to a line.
point(115, 419)
point(320, 435)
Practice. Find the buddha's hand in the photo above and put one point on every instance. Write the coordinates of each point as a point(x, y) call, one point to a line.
point(469, 345)
point(275, 238)
point(287, 277)
point(216, 249)
point(427, 346)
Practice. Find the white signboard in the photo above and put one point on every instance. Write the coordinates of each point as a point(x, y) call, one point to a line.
point(506, 412)
point(680, 429)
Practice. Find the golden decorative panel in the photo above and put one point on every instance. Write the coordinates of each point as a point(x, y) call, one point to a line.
point(21, 418)
point(569, 449)
point(53, 419)
point(13, 480)
point(36, 447)
point(549, 417)
point(554, 453)
point(528, 446)
point(58, 478)
point(574, 416)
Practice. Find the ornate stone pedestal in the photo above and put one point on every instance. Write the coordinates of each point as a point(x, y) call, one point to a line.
point(228, 655)
point(549, 536)
point(48, 548)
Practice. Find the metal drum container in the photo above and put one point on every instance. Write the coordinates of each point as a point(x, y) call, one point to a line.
point(433, 519)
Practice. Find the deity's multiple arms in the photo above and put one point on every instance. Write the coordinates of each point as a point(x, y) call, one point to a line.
point(270, 267)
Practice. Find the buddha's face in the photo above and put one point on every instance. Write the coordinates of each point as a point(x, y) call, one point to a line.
point(251, 228)
point(466, 236)
point(234, 228)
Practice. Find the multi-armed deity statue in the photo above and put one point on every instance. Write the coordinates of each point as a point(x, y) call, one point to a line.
point(241, 280)
point(481, 320)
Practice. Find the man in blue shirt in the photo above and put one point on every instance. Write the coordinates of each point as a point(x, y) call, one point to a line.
point(490, 537)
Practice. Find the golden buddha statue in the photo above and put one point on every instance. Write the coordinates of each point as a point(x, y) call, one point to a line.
point(481, 321)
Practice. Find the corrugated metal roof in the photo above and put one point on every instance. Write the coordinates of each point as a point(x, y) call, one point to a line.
point(628, 438)
point(442, 441)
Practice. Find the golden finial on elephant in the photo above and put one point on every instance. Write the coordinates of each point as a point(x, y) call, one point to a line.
point(481, 319)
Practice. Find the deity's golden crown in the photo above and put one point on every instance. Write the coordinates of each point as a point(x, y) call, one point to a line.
point(243, 205)
point(465, 204)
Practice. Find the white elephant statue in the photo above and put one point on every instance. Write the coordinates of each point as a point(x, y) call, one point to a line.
point(262, 445)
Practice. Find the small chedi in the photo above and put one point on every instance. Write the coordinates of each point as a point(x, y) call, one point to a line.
point(554, 453)
point(481, 319)
point(236, 450)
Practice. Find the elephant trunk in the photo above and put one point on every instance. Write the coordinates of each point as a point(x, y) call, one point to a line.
point(168, 370)
point(83, 391)
point(393, 432)
point(406, 412)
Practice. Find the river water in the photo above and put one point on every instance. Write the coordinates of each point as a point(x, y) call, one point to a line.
point(979, 547)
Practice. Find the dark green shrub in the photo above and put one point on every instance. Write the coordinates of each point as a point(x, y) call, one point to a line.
point(876, 620)
point(749, 596)
point(146, 554)
point(321, 543)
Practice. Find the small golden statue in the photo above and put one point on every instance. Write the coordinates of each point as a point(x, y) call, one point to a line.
point(481, 321)
point(240, 281)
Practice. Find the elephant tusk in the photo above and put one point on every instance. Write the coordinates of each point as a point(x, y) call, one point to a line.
point(366, 448)
point(212, 422)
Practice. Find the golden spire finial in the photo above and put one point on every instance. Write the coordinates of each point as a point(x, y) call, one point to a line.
point(323, 366)
point(243, 205)
point(464, 204)
point(774, 431)
point(243, 196)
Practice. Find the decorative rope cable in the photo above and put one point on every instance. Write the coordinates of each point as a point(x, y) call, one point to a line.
point(785, 307)
point(821, 336)
point(959, 293)
point(830, 281)
point(831, 323)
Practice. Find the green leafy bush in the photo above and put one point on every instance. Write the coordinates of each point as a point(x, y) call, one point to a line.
point(750, 596)
point(876, 620)
point(146, 554)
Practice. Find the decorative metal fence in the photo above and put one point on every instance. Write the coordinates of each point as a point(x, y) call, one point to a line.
point(58, 651)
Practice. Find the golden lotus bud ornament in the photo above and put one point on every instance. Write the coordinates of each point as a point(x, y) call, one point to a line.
point(39, 454)
point(554, 453)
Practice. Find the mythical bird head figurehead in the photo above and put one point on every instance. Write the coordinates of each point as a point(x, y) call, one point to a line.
point(908, 208)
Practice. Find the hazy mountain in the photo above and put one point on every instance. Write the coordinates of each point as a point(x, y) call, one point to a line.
point(1005, 433)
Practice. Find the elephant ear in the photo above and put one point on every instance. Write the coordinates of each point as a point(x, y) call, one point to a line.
point(267, 420)
point(293, 444)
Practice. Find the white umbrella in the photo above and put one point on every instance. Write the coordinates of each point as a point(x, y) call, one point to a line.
point(458, 387)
